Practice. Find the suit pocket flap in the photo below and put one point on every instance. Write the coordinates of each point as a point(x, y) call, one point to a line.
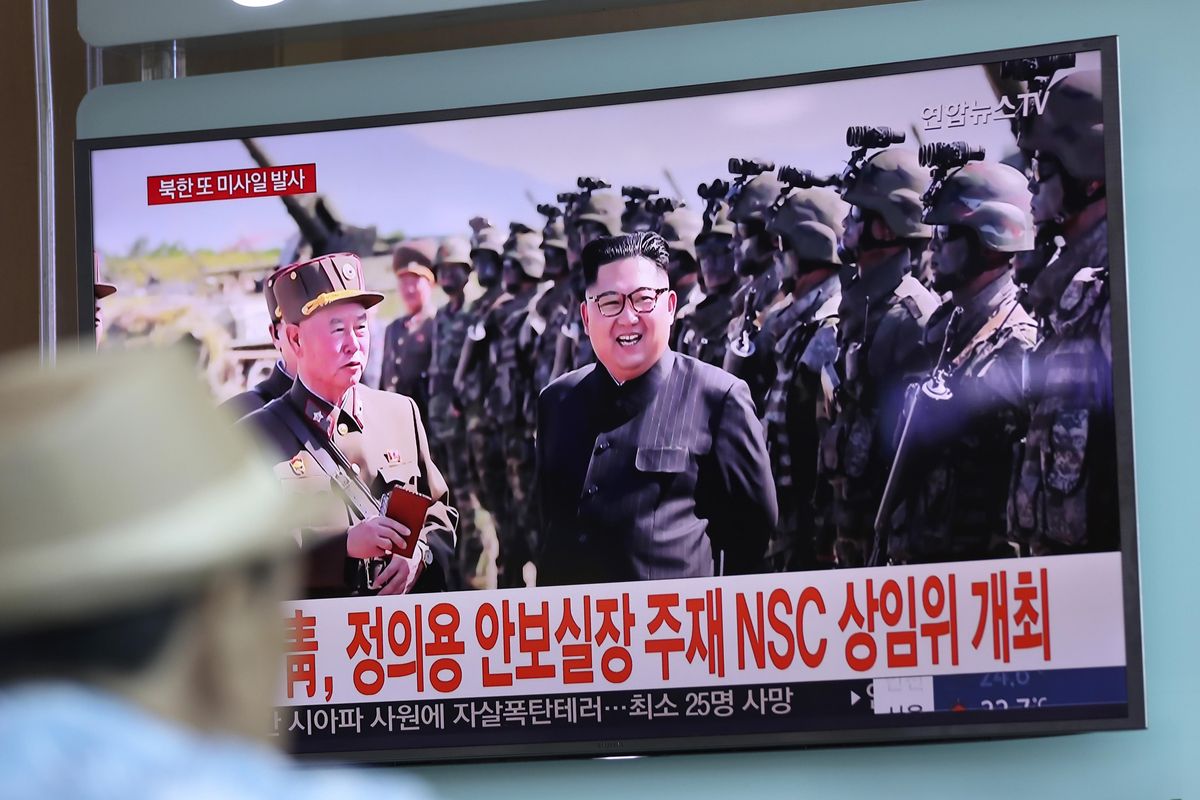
point(661, 459)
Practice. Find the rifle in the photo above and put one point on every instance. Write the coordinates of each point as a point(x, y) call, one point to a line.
point(742, 346)
point(920, 401)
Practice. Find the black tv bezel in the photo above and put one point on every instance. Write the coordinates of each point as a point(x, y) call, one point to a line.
point(1135, 719)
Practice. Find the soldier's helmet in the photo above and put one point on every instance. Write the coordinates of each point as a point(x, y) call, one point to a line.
point(554, 234)
point(453, 250)
point(524, 249)
point(680, 228)
point(891, 184)
point(486, 236)
point(754, 199)
point(718, 223)
point(1072, 126)
point(991, 199)
point(810, 224)
point(604, 208)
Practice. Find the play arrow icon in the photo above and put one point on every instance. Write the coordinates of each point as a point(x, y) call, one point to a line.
point(854, 697)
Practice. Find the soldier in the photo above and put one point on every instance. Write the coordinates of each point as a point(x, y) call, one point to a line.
point(446, 423)
point(597, 214)
point(284, 372)
point(474, 372)
point(408, 340)
point(755, 257)
point(330, 431)
point(1064, 495)
point(951, 473)
point(679, 228)
point(509, 334)
point(554, 306)
point(882, 318)
point(801, 340)
point(702, 333)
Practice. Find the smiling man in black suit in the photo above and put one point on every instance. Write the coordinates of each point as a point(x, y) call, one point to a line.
point(651, 464)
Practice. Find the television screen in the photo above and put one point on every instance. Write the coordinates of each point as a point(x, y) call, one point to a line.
point(780, 412)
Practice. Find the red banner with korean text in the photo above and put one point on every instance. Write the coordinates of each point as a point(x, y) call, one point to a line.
point(231, 184)
point(959, 618)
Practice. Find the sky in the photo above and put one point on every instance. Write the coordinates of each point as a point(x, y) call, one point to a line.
point(428, 179)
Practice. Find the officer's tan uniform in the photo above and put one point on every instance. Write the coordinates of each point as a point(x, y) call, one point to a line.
point(379, 434)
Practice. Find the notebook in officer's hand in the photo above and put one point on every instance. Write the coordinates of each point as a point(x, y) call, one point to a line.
point(408, 508)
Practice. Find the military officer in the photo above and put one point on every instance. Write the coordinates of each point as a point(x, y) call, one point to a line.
point(953, 478)
point(756, 247)
point(282, 374)
point(446, 422)
point(554, 306)
point(882, 318)
point(1064, 497)
point(702, 333)
point(408, 340)
point(800, 338)
point(345, 445)
point(474, 372)
point(679, 228)
point(509, 334)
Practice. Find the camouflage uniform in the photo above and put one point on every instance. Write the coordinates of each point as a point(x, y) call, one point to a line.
point(703, 333)
point(472, 377)
point(510, 336)
point(794, 419)
point(882, 320)
point(752, 204)
point(800, 341)
point(955, 505)
point(446, 422)
point(951, 481)
point(1064, 495)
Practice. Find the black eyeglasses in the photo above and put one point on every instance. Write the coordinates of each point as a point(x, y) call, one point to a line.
point(642, 300)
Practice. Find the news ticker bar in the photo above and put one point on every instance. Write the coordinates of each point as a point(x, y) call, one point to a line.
point(866, 704)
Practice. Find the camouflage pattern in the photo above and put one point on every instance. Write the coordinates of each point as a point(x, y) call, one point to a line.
point(955, 506)
point(1063, 497)
point(447, 428)
point(882, 321)
point(703, 333)
point(510, 337)
point(802, 338)
point(486, 455)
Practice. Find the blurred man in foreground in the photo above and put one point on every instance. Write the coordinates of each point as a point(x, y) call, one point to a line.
point(139, 618)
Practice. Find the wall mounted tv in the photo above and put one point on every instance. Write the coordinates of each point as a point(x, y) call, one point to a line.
point(878, 487)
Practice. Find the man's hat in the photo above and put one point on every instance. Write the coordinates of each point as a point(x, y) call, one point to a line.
point(416, 256)
point(99, 517)
point(102, 289)
point(303, 288)
point(274, 312)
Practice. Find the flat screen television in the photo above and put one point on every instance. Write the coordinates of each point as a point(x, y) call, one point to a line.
point(908, 516)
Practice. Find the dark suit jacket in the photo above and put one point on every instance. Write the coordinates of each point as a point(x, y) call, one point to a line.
point(274, 385)
point(652, 479)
